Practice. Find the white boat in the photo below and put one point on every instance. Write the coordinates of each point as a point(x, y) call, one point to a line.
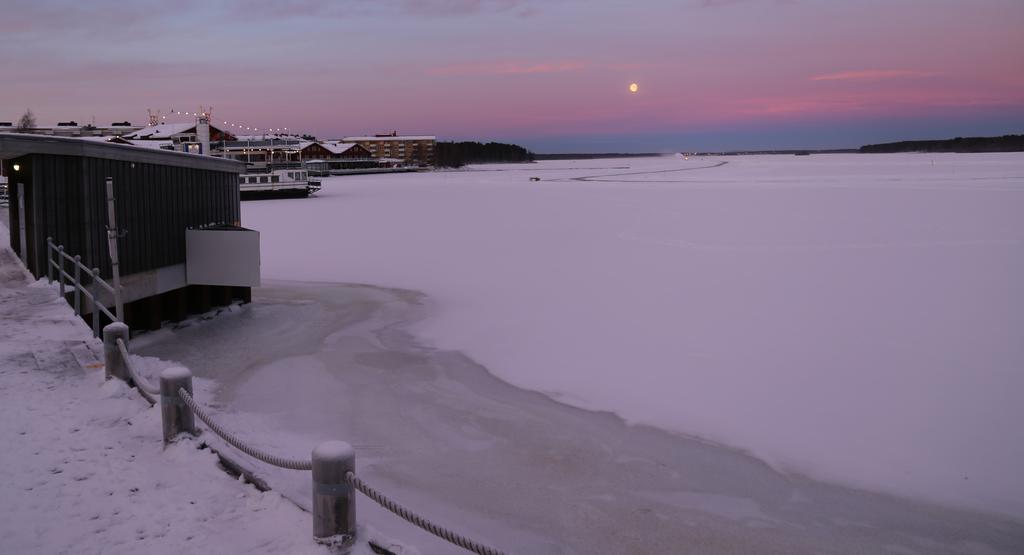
point(278, 182)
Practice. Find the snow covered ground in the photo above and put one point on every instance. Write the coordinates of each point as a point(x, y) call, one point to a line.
point(84, 465)
point(855, 318)
point(851, 320)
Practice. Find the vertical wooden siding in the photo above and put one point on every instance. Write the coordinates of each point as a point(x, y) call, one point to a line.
point(154, 205)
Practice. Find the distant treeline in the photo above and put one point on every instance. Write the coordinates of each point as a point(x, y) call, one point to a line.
point(454, 155)
point(595, 155)
point(1006, 143)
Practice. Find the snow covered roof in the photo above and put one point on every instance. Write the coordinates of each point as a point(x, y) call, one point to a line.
point(337, 148)
point(98, 139)
point(391, 138)
point(154, 144)
point(266, 137)
point(13, 145)
point(160, 131)
point(122, 140)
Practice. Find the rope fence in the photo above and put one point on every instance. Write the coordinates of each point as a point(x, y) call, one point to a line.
point(146, 389)
point(273, 460)
point(414, 518)
point(332, 463)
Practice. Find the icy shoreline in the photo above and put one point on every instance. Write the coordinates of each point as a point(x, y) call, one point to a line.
point(314, 361)
point(85, 468)
point(307, 362)
point(852, 317)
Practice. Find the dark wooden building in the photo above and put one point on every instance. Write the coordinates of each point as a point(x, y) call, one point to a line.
point(337, 158)
point(333, 150)
point(58, 191)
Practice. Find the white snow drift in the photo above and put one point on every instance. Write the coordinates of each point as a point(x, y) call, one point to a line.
point(855, 317)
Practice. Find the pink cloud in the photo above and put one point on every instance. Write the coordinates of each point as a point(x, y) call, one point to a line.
point(28, 17)
point(507, 68)
point(792, 106)
point(464, 7)
point(722, 3)
point(873, 75)
point(864, 103)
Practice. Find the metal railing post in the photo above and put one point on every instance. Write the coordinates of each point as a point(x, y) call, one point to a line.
point(49, 259)
point(78, 285)
point(177, 417)
point(334, 500)
point(95, 305)
point(113, 362)
point(115, 261)
point(60, 268)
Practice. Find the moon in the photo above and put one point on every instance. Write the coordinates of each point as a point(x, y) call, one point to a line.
point(633, 87)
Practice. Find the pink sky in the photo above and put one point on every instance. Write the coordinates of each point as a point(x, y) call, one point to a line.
point(553, 75)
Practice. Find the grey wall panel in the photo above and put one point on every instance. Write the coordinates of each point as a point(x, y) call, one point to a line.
point(154, 205)
point(223, 257)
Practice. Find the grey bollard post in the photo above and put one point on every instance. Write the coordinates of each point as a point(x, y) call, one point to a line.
point(115, 365)
point(334, 499)
point(176, 415)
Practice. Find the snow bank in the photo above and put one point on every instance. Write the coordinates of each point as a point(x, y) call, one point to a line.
point(84, 465)
point(854, 317)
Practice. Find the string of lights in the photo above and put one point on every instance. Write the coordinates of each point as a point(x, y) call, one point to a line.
point(231, 126)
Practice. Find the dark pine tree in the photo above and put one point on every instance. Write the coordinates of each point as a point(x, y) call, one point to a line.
point(454, 155)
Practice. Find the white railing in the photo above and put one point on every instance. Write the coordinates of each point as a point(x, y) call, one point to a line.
point(58, 263)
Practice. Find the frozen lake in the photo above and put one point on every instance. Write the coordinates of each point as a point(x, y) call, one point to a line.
point(852, 318)
point(858, 318)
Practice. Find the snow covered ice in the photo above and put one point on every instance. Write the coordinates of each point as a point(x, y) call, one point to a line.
point(858, 318)
point(853, 319)
point(533, 363)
